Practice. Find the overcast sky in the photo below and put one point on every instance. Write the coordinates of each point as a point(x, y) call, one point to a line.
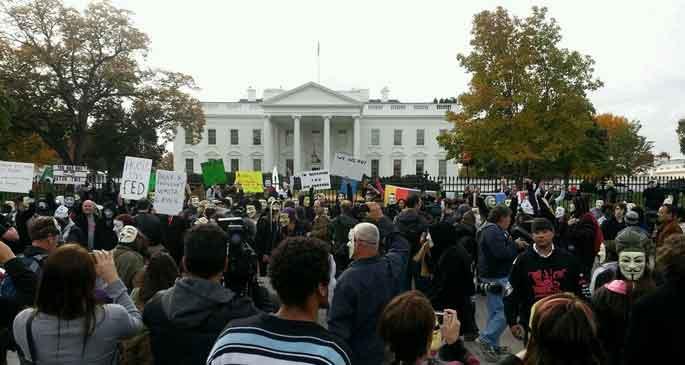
point(411, 47)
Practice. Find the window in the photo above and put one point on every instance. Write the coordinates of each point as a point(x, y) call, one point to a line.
point(257, 137)
point(211, 136)
point(190, 165)
point(419, 167)
point(257, 164)
point(235, 164)
point(375, 137)
point(420, 136)
point(375, 165)
point(397, 140)
point(234, 137)
point(290, 166)
point(442, 167)
point(397, 167)
point(189, 137)
point(289, 137)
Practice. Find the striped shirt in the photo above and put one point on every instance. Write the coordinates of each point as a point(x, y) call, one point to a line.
point(267, 339)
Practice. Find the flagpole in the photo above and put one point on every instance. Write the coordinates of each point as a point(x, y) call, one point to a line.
point(318, 62)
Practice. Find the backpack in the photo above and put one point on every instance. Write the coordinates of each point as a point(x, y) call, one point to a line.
point(32, 263)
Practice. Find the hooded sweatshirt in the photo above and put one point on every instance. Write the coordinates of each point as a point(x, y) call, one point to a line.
point(186, 319)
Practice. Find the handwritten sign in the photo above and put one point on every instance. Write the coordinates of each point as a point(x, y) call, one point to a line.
point(136, 178)
point(319, 180)
point(169, 192)
point(347, 166)
point(250, 180)
point(16, 177)
point(69, 174)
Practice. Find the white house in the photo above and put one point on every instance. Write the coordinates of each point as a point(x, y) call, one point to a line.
point(302, 129)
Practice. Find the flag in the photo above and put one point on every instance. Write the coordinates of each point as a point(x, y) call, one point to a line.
point(400, 193)
point(47, 174)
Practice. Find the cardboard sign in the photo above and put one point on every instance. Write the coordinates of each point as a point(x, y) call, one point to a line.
point(135, 178)
point(69, 174)
point(213, 172)
point(319, 180)
point(16, 177)
point(250, 180)
point(347, 166)
point(169, 192)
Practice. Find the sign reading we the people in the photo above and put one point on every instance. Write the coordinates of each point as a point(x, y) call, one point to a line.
point(347, 166)
point(251, 181)
point(319, 180)
point(135, 178)
point(169, 192)
point(16, 177)
point(69, 174)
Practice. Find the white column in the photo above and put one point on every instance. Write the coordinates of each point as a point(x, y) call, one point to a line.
point(297, 145)
point(268, 142)
point(326, 142)
point(357, 136)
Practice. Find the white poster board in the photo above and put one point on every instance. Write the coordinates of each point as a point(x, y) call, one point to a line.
point(347, 166)
point(170, 192)
point(319, 180)
point(69, 174)
point(16, 177)
point(135, 178)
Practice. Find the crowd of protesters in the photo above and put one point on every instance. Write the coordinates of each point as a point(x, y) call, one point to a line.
point(290, 278)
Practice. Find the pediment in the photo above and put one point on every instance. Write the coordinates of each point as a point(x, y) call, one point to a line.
point(311, 93)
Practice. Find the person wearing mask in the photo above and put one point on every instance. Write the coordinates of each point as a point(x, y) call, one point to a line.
point(58, 332)
point(291, 335)
point(267, 237)
point(92, 226)
point(186, 319)
point(291, 226)
point(130, 255)
point(657, 318)
point(616, 223)
point(668, 224)
point(496, 254)
point(540, 271)
point(364, 289)
point(69, 231)
point(562, 331)
point(408, 325)
point(340, 229)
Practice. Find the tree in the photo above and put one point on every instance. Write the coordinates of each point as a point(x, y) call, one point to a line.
point(167, 161)
point(62, 66)
point(26, 148)
point(663, 155)
point(681, 134)
point(6, 107)
point(526, 111)
point(628, 152)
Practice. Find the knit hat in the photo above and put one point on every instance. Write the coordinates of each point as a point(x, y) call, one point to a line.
point(632, 218)
point(128, 234)
point(634, 240)
point(62, 212)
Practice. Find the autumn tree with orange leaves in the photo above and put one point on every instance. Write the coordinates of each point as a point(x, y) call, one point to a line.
point(627, 151)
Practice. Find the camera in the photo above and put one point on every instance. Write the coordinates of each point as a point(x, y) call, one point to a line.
point(242, 259)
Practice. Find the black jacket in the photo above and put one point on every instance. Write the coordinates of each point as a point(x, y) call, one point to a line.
point(186, 319)
point(452, 275)
point(496, 252)
point(611, 227)
point(104, 239)
point(25, 282)
point(411, 225)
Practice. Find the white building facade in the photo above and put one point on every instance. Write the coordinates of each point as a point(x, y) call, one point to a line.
point(301, 129)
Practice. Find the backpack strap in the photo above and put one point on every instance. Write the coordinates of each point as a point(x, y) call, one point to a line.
point(29, 339)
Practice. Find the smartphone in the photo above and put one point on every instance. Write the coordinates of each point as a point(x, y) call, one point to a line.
point(440, 316)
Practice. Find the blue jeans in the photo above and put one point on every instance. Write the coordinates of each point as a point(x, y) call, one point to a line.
point(497, 322)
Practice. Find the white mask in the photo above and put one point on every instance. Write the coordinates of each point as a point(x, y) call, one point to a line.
point(632, 264)
point(118, 225)
point(599, 204)
point(251, 211)
point(560, 212)
point(490, 201)
point(392, 200)
point(602, 253)
point(571, 208)
point(350, 243)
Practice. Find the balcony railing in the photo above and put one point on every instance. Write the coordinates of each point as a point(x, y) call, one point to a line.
point(411, 109)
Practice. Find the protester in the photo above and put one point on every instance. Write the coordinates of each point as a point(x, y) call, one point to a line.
point(267, 237)
point(408, 325)
point(300, 273)
point(67, 325)
point(364, 289)
point(658, 319)
point(616, 223)
point(320, 223)
point(542, 270)
point(583, 236)
point(150, 228)
point(497, 252)
point(340, 229)
point(563, 332)
point(44, 238)
point(413, 226)
point(129, 255)
point(186, 319)
point(668, 224)
point(69, 231)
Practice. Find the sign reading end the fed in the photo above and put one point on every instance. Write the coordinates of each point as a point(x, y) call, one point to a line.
point(135, 178)
point(16, 177)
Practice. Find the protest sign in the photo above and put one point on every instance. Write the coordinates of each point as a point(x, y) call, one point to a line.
point(16, 177)
point(319, 180)
point(135, 178)
point(213, 172)
point(169, 192)
point(250, 180)
point(69, 174)
point(348, 166)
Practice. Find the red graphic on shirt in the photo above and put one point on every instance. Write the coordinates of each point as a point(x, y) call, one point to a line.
point(547, 282)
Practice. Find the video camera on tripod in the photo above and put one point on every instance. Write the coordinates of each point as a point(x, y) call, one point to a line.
point(242, 259)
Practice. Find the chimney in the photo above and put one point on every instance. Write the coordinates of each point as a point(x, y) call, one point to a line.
point(385, 92)
point(251, 94)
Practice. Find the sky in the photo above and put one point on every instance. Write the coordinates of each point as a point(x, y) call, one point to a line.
point(411, 47)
